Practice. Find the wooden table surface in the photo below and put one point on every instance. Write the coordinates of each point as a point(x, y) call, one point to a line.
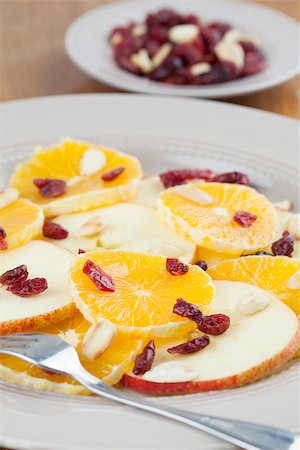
point(34, 63)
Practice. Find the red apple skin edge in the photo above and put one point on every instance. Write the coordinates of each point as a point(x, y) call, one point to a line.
point(246, 377)
point(40, 321)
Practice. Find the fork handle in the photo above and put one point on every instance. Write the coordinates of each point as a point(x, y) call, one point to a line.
point(249, 436)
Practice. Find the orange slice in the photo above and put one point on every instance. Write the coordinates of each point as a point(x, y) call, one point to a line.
point(279, 275)
point(208, 220)
point(110, 366)
point(145, 293)
point(22, 221)
point(85, 190)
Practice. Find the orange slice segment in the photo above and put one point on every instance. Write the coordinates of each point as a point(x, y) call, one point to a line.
point(85, 189)
point(145, 293)
point(210, 224)
point(110, 366)
point(22, 221)
point(279, 275)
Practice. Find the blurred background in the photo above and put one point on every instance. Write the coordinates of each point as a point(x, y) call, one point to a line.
point(34, 63)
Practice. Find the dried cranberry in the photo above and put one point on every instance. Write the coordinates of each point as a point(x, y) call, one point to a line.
point(13, 276)
point(80, 251)
point(190, 19)
point(254, 62)
point(214, 324)
point(99, 277)
point(29, 288)
point(244, 218)
point(2, 233)
point(213, 33)
point(143, 361)
point(231, 177)
point(166, 17)
point(189, 53)
point(202, 264)
point(186, 309)
point(159, 34)
point(180, 176)
point(195, 345)
point(176, 267)
point(50, 188)
point(53, 230)
point(3, 243)
point(285, 245)
point(112, 174)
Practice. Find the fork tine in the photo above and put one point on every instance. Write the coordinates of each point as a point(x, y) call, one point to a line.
point(18, 338)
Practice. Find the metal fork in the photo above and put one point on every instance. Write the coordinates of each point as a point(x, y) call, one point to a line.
point(52, 353)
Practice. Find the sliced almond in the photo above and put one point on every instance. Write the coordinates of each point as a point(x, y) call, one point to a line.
point(73, 181)
point(92, 161)
point(252, 303)
point(93, 226)
point(200, 68)
point(165, 250)
point(230, 51)
point(284, 205)
point(98, 338)
point(237, 36)
point(161, 54)
point(193, 193)
point(293, 226)
point(8, 196)
point(139, 29)
point(294, 281)
point(181, 34)
point(171, 371)
point(116, 39)
point(142, 60)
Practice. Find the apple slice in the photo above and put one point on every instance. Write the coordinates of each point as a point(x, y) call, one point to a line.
point(54, 304)
point(263, 335)
point(148, 191)
point(124, 226)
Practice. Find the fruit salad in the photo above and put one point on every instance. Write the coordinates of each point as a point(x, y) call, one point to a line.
point(170, 284)
point(179, 49)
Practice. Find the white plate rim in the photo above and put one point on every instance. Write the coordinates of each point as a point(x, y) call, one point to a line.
point(117, 78)
point(13, 112)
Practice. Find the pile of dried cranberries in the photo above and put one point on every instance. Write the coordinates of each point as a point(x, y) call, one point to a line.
point(178, 49)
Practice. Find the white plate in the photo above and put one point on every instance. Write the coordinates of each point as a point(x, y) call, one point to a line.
point(164, 133)
point(87, 44)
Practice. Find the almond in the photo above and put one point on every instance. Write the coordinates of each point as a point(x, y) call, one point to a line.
point(161, 54)
point(116, 39)
point(142, 60)
point(252, 303)
point(200, 68)
point(92, 161)
point(181, 34)
point(194, 194)
point(230, 51)
point(8, 196)
point(139, 29)
point(98, 338)
point(283, 205)
point(93, 226)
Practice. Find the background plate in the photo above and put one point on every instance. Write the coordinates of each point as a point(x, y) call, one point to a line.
point(186, 133)
point(87, 44)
